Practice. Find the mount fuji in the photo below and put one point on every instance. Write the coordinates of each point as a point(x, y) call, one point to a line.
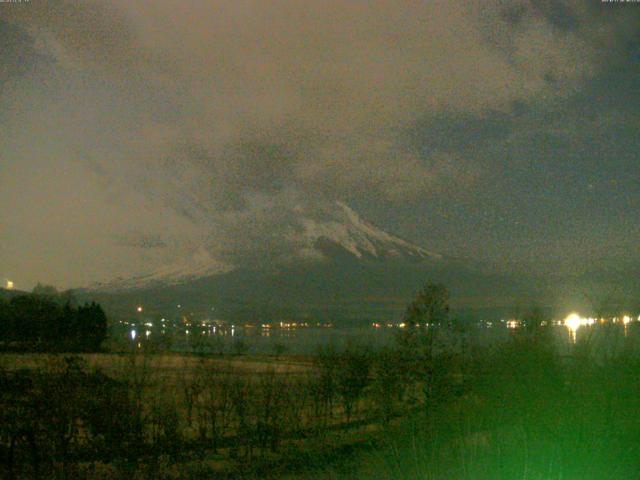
point(329, 233)
point(324, 262)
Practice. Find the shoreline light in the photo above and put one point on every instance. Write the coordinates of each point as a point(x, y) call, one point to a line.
point(574, 321)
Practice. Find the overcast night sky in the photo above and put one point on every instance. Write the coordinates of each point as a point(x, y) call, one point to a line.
point(503, 131)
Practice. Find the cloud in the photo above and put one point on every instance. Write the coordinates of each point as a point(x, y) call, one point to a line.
point(202, 107)
point(261, 83)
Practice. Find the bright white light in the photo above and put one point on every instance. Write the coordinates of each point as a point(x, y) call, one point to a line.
point(573, 321)
point(133, 334)
point(139, 309)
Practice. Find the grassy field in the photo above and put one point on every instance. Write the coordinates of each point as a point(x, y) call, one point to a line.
point(512, 410)
point(165, 363)
point(222, 415)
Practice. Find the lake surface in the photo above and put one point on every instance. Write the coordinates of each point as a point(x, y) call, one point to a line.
point(606, 338)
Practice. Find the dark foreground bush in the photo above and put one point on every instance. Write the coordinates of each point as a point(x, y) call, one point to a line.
point(43, 323)
point(53, 420)
point(526, 413)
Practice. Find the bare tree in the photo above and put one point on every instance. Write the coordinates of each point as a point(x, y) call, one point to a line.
point(352, 378)
point(215, 404)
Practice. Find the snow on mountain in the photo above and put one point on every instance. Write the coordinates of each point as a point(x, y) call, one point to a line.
point(345, 228)
point(198, 264)
point(317, 234)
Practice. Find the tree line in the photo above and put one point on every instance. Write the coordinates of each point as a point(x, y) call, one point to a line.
point(67, 419)
point(47, 321)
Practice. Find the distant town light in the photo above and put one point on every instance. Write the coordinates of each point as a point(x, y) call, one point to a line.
point(139, 309)
point(573, 322)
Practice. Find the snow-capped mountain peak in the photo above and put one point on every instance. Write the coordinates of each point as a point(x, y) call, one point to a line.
point(318, 233)
point(345, 228)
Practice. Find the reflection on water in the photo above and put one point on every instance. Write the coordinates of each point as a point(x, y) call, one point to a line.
point(574, 322)
point(218, 338)
point(302, 338)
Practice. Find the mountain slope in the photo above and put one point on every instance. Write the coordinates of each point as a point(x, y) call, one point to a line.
point(345, 229)
point(336, 266)
point(334, 232)
point(194, 265)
